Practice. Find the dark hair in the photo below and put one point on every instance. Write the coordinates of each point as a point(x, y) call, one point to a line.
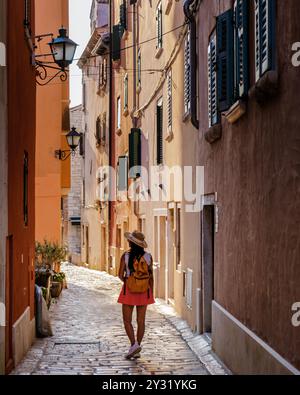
point(136, 252)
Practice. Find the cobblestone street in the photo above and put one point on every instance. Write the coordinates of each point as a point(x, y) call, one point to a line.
point(89, 337)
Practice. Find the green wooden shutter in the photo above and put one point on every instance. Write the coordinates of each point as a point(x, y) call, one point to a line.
point(139, 68)
point(241, 75)
point(116, 43)
point(213, 113)
point(134, 152)
point(159, 25)
point(126, 92)
point(169, 96)
point(123, 173)
point(187, 74)
point(225, 68)
point(159, 141)
point(123, 16)
point(98, 131)
point(265, 11)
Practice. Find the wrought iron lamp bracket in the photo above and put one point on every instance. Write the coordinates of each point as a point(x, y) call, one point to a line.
point(64, 155)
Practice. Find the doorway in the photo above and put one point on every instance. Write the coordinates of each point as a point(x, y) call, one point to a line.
point(87, 246)
point(208, 231)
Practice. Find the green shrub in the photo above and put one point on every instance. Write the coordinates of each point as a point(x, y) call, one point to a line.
point(49, 253)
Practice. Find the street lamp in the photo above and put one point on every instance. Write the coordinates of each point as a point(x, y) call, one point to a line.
point(73, 139)
point(62, 50)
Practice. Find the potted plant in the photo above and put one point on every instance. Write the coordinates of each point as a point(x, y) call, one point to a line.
point(48, 257)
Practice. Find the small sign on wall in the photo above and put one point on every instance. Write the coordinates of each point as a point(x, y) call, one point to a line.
point(2, 55)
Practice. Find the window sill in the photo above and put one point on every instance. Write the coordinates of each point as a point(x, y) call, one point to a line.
point(118, 132)
point(214, 133)
point(265, 88)
point(236, 111)
point(158, 53)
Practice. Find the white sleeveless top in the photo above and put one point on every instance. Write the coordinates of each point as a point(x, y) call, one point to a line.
point(147, 257)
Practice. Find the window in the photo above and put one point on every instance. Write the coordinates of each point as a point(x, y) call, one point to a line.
point(225, 51)
point(264, 37)
point(159, 26)
point(123, 17)
point(123, 173)
point(169, 100)
point(103, 135)
point(139, 69)
point(241, 48)
point(83, 96)
point(134, 153)
point(159, 133)
point(119, 113)
point(213, 113)
point(119, 237)
point(81, 144)
point(187, 74)
point(83, 193)
point(102, 73)
point(27, 12)
point(98, 131)
point(126, 93)
point(116, 43)
point(25, 188)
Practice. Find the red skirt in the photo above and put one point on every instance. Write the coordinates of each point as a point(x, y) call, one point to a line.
point(133, 299)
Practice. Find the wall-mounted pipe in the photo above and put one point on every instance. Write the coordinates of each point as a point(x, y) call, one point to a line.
point(189, 13)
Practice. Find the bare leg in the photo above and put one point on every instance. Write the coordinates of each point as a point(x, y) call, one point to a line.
point(141, 317)
point(127, 319)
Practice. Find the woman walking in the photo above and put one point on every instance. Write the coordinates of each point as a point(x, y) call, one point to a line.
point(136, 272)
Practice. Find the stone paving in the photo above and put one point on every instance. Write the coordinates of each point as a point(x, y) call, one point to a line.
point(89, 338)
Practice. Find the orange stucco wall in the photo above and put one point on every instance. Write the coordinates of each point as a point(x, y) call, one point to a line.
point(52, 176)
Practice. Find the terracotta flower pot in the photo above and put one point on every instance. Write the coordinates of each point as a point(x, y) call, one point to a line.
point(56, 289)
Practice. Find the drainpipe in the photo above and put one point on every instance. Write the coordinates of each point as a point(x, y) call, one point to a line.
point(193, 57)
point(134, 61)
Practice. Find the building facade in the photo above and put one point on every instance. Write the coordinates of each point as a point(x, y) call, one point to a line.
point(248, 146)
point(95, 140)
point(17, 131)
point(53, 123)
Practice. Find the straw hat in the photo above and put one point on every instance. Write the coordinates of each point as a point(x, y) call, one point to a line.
point(136, 238)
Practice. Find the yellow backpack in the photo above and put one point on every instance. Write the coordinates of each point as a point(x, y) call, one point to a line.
point(138, 281)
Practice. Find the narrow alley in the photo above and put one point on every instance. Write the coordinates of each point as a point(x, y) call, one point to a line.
point(89, 338)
